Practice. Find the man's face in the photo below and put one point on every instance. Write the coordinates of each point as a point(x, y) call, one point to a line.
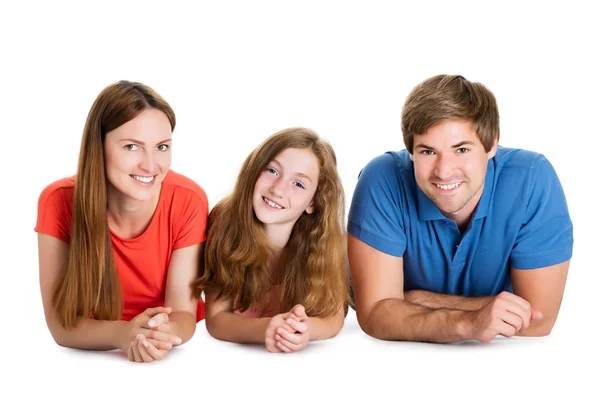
point(450, 165)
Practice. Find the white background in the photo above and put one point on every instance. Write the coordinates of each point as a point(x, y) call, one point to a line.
point(238, 72)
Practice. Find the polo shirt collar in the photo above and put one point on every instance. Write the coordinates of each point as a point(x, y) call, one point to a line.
point(429, 211)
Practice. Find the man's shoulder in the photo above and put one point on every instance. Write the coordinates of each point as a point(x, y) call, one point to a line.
point(390, 161)
point(507, 157)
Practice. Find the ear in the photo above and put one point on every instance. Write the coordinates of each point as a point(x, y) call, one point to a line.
point(492, 151)
point(310, 208)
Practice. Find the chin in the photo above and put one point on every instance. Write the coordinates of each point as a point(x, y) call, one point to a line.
point(141, 194)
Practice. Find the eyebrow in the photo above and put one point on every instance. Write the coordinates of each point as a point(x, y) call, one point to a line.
point(300, 174)
point(142, 143)
point(455, 146)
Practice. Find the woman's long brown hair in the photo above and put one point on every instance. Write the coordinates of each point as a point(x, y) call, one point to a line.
point(312, 264)
point(89, 285)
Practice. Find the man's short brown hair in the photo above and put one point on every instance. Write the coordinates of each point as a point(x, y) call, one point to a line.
point(450, 97)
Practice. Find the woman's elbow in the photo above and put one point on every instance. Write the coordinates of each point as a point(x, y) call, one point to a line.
point(59, 337)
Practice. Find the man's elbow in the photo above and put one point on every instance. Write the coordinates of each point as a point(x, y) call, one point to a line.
point(369, 325)
point(543, 328)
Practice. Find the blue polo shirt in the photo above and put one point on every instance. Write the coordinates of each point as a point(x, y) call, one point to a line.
point(521, 221)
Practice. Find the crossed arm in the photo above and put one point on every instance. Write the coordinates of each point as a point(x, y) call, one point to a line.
point(285, 332)
point(171, 325)
point(385, 311)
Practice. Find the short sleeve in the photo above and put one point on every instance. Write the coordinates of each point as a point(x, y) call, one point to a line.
point(375, 215)
point(54, 212)
point(191, 227)
point(546, 234)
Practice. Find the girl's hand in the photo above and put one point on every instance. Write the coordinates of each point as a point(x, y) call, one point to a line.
point(276, 323)
point(296, 337)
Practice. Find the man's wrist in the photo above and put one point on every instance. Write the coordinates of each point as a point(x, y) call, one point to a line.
point(462, 323)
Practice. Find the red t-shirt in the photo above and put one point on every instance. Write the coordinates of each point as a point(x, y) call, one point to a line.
point(142, 262)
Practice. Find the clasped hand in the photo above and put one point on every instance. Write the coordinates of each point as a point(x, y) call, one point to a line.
point(148, 336)
point(288, 332)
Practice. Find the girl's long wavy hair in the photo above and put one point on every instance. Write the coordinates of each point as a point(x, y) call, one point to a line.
point(312, 265)
point(89, 284)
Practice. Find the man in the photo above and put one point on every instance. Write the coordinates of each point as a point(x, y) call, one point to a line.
point(457, 238)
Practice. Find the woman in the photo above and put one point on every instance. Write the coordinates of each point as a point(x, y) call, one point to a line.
point(119, 242)
point(274, 269)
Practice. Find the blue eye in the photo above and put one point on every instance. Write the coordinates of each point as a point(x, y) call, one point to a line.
point(462, 150)
point(299, 185)
point(427, 152)
point(272, 170)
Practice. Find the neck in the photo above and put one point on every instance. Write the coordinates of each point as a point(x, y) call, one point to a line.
point(129, 217)
point(463, 216)
point(278, 236)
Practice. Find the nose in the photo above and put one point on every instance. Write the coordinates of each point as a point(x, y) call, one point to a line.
point(444, 166)
point(277, 187)
point(147, 163)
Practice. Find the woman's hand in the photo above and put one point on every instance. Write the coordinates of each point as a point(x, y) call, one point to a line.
point(151, 327)
point(142, 349)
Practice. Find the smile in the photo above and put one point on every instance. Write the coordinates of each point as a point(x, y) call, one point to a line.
point(448, 187)
point(272, 204)
point(143, 179)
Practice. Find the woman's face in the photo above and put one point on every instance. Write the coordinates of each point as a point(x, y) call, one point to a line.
point(137, 155)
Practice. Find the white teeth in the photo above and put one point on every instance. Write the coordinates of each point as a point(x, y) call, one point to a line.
point(269, 202)
point(143, 178)
point(448, 187)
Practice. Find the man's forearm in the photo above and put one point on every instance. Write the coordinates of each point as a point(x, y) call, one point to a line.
point(438, 300)
point(396, 319)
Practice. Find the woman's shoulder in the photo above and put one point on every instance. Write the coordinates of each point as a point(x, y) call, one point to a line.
point(177, 181)
point(63, 186)
point(54, 209)
point(181, 192)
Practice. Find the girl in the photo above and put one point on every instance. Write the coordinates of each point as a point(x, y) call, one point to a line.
point(274, 269)
point(119, 242)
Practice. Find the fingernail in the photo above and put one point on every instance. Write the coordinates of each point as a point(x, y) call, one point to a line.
point(145, 344)
point(151, 323)
point(177, 340)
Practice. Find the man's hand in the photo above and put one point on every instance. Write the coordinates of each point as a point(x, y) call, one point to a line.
point(506, 315)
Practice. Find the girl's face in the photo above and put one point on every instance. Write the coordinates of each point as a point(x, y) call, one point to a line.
point(137, 155)
point(285, 189)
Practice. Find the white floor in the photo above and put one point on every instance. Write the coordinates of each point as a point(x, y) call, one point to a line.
point(351, 364)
